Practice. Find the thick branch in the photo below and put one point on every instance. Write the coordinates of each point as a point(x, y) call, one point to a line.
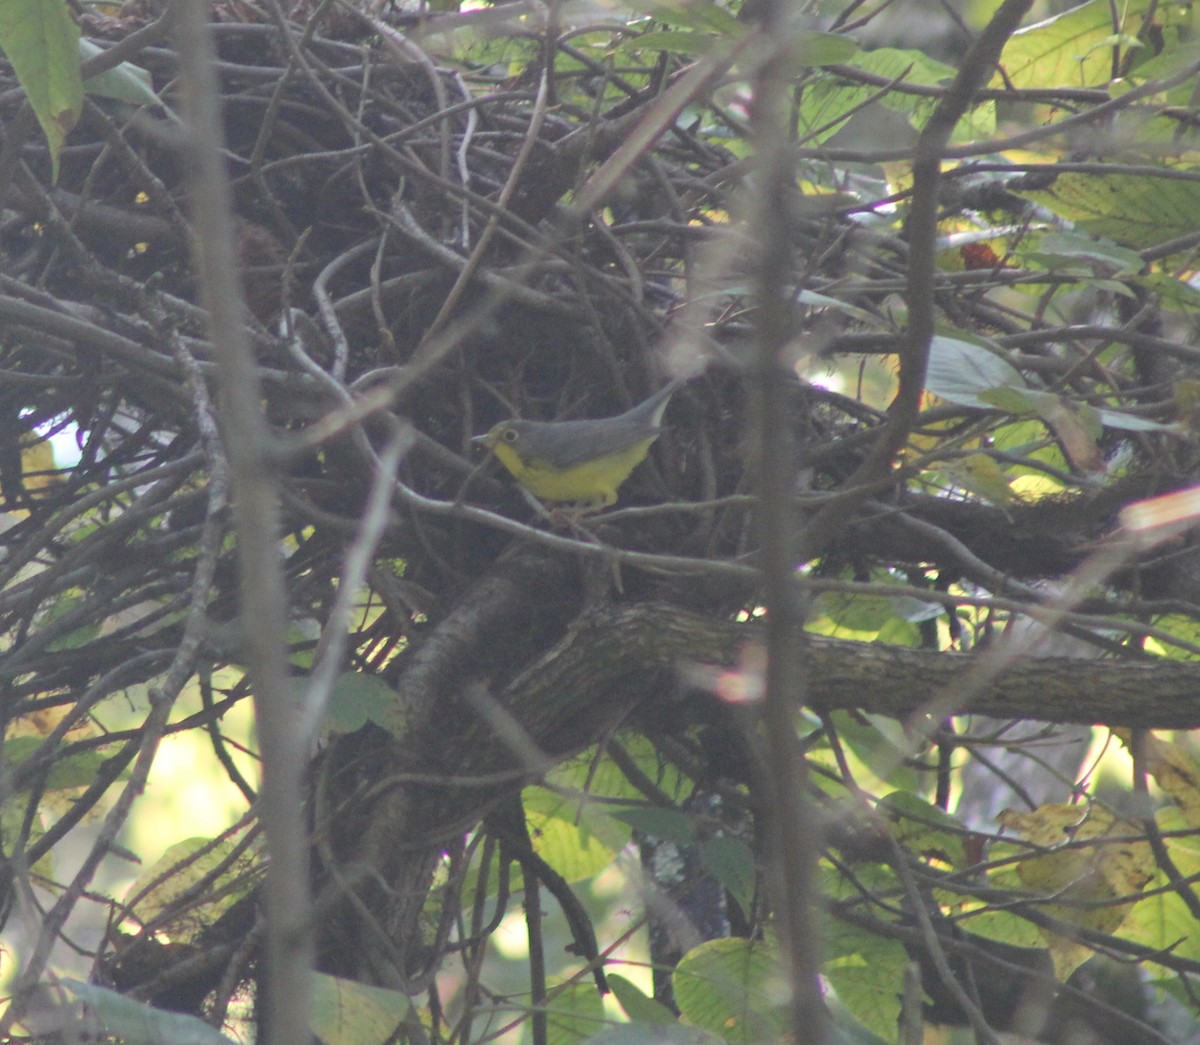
point(608, 646)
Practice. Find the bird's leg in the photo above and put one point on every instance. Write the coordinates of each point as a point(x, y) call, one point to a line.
point(544, 513)
point(570, 517)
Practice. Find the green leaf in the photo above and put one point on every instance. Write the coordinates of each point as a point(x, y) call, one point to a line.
point(470, 887)
point(867, 613)
point(734, 988)
point(899, 632)
point(136, 1023)
point(959, 371)
point(871, 615)
point(42, 43)
point(827, 100)
point(638, 1006)
point(1101, 256)
point(848, 1030)
point(1015, 401)
point(1002, 927)
point(867, 971)
point(66, 772)
point(978, 474)
point(667, 825)
point(359, 698)
point(1020, 438)
point(574, 1013)
point(577, 839)
point(915, 610)
point(1049, 406)
point(1161, 921)
point(1138, 210)
point(815, 300)
point(704, 15)
point(1029, 439)
point(731, 862)
point(1132, 423)
point(1073, 49)
point(1181, 626)
point(1077, 426)
point(344, 1012)
point(869, 881)
point(678, 41)
point(831, 98)
point(879, 744)
point(602, 776)
point(124, 83)
point(642, 1035)
point(71, 601)
point(176, 873)
point(925, 829)
point(12, 825)
point(1174, 293)
point(909, 66)
point(811, 48)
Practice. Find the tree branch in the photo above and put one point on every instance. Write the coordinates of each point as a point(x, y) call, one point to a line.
point(608, 645)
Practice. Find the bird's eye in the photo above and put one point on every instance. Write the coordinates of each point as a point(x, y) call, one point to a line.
point(510, 435)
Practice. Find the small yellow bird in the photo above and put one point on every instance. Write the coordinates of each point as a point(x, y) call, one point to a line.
point(582, 461)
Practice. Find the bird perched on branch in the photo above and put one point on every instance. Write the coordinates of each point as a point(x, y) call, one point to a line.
point(580, 461)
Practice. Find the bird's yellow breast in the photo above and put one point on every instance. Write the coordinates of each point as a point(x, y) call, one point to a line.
point(594, 482)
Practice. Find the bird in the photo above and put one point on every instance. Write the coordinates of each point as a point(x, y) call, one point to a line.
point(584, 461)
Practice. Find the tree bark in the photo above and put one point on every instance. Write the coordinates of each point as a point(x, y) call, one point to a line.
point(610, 644)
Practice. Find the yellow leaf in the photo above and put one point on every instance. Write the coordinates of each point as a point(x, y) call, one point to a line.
point(1078, 432)
point(37, 465)
point(981, 475)
point(1094, 885)
point(1175, 771)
